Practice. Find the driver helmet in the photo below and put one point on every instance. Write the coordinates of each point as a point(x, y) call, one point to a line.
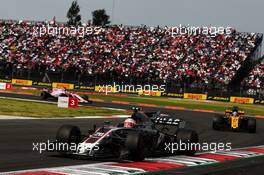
point(235, 113)
point(129, 123)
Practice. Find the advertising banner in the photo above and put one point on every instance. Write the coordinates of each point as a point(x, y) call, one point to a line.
point(67, 102)
point(218, 98)
point(105, 89)
point(22, 82)
point(170, 94)
point(83, 87)
point(241, 100)
point(38, 83)
point(150, 93)
point(195, 96)
point(63, 85)
point(5, 81)
point(259, 101)
point(5, 86)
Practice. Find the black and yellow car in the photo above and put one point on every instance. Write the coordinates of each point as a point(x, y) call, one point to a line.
point(235, 120)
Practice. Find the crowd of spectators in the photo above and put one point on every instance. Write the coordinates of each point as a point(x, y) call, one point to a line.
point(143, 53)
point(255, 80)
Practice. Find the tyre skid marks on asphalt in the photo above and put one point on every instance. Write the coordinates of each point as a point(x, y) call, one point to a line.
point(154, 164)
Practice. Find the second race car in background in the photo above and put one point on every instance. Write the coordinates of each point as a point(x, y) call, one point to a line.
point(62, 92)
point(235, 120)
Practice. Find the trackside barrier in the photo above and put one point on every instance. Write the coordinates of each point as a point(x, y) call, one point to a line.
point(150, 93)
point(22, 82)
point(5, 86)
point(37, 83)
point(169, 94)
point(63, 85)
point(195, 96)
point(67, 102)
point(242, 100)
point(5, 81)
point(218, 98)
point(258, 101)
point(104, 89)
point(83, 87)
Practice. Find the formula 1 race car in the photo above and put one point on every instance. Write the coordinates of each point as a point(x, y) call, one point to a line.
point(235, 120)
point(61, 92)
point(150, 136)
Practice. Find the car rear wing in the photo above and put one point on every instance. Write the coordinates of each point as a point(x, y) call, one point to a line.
point(228, 111)
point(169, 121)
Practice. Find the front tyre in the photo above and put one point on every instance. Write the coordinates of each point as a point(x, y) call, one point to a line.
point(251, 125)
point(217, 122)
point(135, 145)
point(189, 138)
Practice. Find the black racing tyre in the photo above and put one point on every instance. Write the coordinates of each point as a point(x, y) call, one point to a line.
point(251, 125)
point(218, 121)
point(44, 95)
point(189, 138)
point(135, 144)
point(68, 134)
point(119, 125)
point(63, 95)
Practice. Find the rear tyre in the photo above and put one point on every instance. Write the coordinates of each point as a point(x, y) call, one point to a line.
point(44, 95)
point(189, 138)
point(251, 125)
point(217, 122)
point(135, 145)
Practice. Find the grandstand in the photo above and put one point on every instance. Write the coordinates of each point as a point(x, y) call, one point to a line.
point(254, 82)
point(133, 55)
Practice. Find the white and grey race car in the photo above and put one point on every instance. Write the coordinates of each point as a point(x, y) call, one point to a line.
point(60, 92)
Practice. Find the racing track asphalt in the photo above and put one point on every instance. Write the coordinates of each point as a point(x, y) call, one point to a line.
point(17, 137)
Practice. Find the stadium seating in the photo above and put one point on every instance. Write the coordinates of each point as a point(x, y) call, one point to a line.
point(127, 53)
point(255, 79)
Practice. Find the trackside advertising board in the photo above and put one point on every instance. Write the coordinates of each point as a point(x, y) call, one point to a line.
point(241, 100)
point(63, 85)
point(67, 102)
point(150, 93)
point(5, 86)
point(259, 101)
point(105, 89)
point(5, 81)
point(218, 98)
point(171, 94)
point(195, 96)
point(22, 82)
point(43, 84)
point(83, 87)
